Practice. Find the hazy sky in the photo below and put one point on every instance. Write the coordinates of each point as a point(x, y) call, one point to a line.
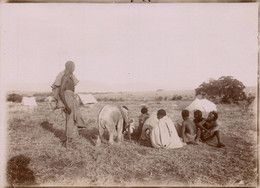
point(177, 45)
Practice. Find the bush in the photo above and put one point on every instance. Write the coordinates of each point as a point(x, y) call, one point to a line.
point(250, 99)
point(159, 98)
point(105, 99)
point(14, 97)
point(176, 97)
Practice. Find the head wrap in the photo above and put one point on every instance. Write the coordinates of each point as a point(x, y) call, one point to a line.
point(69, 65)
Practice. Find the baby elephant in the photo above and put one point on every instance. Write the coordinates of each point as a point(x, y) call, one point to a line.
point(116, 120)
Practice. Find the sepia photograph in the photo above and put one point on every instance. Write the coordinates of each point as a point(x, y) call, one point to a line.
point(129, 94)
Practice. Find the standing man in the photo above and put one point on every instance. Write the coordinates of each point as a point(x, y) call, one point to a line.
point(69, 100)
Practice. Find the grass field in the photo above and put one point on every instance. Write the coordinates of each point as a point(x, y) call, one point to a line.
point(36, 157)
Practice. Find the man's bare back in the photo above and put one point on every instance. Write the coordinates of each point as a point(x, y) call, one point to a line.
point(190, 127)
point(189, 130)
point(67, 82)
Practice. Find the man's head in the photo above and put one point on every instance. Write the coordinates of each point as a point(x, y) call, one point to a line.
point(70, 66)
point(213, 116)
point(144, 110)
point(161, 113)
point(185, 114)
point(198, 114)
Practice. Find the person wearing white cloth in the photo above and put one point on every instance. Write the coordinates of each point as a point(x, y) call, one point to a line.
point(164, 134)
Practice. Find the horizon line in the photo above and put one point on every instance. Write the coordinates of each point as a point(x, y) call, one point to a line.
point(119, 91)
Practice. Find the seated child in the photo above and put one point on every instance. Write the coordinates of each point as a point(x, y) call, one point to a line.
point(189, 130)
point(142, 118)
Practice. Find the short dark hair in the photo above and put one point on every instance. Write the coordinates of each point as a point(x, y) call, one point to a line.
point(144, 110)
point(215, 115)
point(185, 113)
point(125, 107)
point(161, 112)
point(198, 113)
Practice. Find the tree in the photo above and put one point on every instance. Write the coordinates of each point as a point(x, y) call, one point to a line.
point(227, 88)
point(14, 97)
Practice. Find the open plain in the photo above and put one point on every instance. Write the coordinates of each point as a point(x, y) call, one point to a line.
point(35, 155)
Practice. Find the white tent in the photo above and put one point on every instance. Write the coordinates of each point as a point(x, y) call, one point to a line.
point(87, 98)
point(204, 105)
point(29, 101)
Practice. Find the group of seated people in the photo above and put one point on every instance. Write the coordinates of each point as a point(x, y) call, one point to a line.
point(163, 133)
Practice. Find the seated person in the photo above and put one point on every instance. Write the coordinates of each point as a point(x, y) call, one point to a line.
point(164, 134)
point(198, 118)
point(130, 127)
point(142, 118)
point(189, 130)
point(210, 128)
point(148, 125)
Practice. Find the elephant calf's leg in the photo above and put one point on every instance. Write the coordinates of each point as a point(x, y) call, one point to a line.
point(98, 141)
point(100, 136)
point(111, 132)
point(120, 130)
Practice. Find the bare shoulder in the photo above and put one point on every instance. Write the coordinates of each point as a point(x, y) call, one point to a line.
point(190, 123)
point(216, 123)
point(65, 79)
point(184, 122)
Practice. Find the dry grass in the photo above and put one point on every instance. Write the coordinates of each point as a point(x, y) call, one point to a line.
point(35, 135)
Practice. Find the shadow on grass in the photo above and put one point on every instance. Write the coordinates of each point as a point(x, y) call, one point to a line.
point(90, 134)
point(57, 132)
point(18, 173)
point(145, 143)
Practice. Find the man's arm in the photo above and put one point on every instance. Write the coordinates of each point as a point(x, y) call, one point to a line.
point(198, 135)
point(61, 92)
point(200, 125)
point(185, 139)
point(216, 127)
point(210, 125)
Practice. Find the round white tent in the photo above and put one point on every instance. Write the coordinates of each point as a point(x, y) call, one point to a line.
point(204, 105)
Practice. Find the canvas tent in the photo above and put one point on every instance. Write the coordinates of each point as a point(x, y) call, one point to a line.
point(29, 101)
point(87, 98)
point(204, 105)
point(49, 99)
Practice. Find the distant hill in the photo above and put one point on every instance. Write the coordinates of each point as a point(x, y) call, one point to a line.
point(29, 87)
point(92, 86)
